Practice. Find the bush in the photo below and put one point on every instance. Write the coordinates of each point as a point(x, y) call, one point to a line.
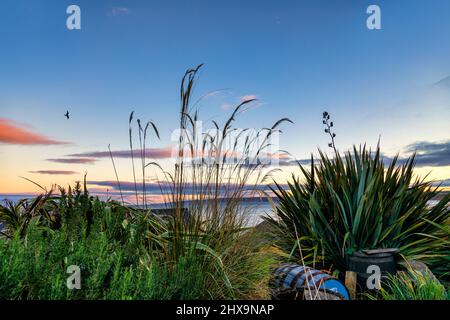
point(112, 266)
point(356, 202)
point(411, 285)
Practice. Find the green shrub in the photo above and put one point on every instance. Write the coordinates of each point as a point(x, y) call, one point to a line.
point(411, 285)
point(34, 267)
point(356, 202)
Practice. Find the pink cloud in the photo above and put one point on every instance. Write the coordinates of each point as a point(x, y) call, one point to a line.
point(228, 106)
point(277, 155)
point(248, 97)
point(13, 133)
point(155, 153)
point(74, 160)
point(54, 172)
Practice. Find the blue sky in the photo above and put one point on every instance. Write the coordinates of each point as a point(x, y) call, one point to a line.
point(298, 57)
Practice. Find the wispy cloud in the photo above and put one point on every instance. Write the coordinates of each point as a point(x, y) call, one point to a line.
point(248, 97)
point(74, 160)
point(442, 183)
point(227, 106)
point(118, 11)
point(54, 172)
point(443, 83)
point(14, 133)
point(155, 153)
point(431, 153)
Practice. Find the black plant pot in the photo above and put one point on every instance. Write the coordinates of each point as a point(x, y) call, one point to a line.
point(360, 261)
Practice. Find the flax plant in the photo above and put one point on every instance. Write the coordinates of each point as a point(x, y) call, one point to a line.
point(356, 201)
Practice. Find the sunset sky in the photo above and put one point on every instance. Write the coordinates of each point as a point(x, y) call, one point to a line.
point(298, 58)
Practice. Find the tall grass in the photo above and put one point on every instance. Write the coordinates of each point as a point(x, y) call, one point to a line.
point(212, 173)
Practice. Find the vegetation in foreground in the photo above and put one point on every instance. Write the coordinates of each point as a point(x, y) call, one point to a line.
point(121, 254)
point(133, 254)
point(346, 204)
point(412, 285)
point(356, 202)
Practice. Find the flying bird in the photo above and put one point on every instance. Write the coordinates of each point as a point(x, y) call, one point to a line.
point(67, 114)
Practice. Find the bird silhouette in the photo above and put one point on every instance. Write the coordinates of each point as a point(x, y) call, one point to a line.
point(67, 114)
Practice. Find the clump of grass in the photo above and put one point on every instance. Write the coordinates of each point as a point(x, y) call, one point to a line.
point(411, 285)
point(205, 181)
